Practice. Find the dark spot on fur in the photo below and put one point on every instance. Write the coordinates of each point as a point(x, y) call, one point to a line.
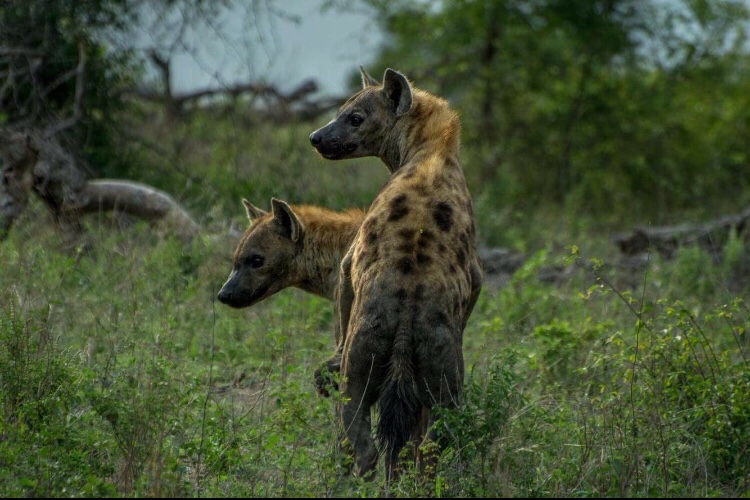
point(439, 318)
point(407, 247)
point(441, 247)
point(400, 294)
point(372, 236)
point(398, 208)
point(405, 265)
point(423, 258)
point(398, 213)
point(465, 240)
point(406, 233)
point(426, 235)
point(452, 268)
point(419, 292)
point(461, 256)
point(443, 215)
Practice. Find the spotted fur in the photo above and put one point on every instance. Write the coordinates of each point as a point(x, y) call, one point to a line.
point(412, 276)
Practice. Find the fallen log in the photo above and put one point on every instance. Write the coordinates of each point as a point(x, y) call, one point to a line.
point(710, 236)
point(139, 200)
point(33, 164)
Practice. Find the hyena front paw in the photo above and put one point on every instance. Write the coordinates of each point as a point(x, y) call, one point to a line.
point(326, 377)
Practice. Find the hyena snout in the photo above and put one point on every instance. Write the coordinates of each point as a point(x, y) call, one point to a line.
point(316, 138)
point(231, 294)
point(237, 292)
point(225, 295)
point(332, 143)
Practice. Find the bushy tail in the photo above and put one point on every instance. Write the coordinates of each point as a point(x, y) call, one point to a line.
point(399, 405)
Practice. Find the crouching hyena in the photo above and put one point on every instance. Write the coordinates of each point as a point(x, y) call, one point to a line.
point(412, 276)
point(294, 245)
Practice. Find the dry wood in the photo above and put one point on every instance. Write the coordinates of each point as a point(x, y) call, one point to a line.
point(33, 164)
point(139, 200)
point(666, 239)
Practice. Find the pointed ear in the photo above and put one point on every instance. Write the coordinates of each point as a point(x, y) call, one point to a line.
point(367, 80)
point(397, 89)
point(253, 212)
point(288, 220)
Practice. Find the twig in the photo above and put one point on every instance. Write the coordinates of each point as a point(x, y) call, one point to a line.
point(78, 99)
point(20, 51)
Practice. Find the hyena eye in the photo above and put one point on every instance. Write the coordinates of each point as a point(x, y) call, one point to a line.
point(254, 261)
point(356, 120)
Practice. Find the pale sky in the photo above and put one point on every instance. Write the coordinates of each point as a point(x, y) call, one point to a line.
point(249, 44)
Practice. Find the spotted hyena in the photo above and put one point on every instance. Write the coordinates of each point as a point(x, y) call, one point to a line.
point(293, 245)
point(412, 276)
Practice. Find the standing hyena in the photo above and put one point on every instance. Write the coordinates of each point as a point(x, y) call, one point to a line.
point(412, 276)
point(293, 245)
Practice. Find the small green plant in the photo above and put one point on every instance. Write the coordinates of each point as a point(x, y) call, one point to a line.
point(477, 432)
point(49, 443)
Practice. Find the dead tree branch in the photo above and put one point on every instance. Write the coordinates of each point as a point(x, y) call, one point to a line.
point(667, 239)
point(20, 51)
point(138, 200)
point(77, 113)
point(278, 105)
point(35, 164)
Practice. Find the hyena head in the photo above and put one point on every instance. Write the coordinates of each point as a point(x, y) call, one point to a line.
point(363, 123)
point(264, 260)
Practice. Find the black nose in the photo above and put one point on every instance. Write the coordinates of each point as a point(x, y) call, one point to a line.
point(315, 138)
point(224, 296)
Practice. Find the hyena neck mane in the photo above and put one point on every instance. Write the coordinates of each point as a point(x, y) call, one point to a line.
point(326, 238)
point(431, 128)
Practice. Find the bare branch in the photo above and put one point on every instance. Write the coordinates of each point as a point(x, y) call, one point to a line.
point(271, 96)
point(7, 84)
point(58, 81)
point(164, 69)
point(78, 98)
point(20, 51)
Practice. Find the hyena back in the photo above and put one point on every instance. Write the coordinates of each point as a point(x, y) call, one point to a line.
point(412, 276)
point(293, 245)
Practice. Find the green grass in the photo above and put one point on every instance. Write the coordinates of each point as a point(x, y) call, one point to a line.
point(121, 375)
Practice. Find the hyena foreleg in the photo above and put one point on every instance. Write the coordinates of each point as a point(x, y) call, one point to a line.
point(325, 379)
